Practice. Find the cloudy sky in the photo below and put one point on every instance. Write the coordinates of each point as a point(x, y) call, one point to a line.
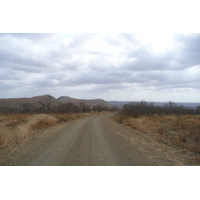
point(125, 66)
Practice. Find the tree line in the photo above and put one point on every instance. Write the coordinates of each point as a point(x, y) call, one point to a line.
point(136, 109)
point(46, 106)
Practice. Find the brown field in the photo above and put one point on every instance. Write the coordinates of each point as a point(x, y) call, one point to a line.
point(15, 128)
point(176, 130)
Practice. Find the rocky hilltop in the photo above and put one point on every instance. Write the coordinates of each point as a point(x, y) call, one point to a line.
point(90, 102)
point(41, 103)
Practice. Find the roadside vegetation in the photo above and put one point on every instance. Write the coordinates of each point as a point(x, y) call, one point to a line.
point(48, 104)
point(170, 124)
point(16, 126)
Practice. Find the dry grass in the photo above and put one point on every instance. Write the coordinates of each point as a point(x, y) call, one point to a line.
point(182, 130)
point(15, 128)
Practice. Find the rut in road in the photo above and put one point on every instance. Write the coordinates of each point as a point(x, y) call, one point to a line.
point(91, 141)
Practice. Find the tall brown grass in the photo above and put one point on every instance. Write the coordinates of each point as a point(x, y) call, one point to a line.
point(15, 128)
point(176, 130)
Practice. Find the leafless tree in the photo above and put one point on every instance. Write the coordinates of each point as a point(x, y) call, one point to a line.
point(198, 110)
point(27, 107)
point(68, 107)
point(82, 106)
point(46, 103)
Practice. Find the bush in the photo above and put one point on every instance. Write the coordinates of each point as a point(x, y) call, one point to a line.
point(142, 108)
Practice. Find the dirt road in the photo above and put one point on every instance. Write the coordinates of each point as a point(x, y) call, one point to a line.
point(91, 141)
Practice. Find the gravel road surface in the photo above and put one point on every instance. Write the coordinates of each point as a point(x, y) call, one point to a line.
point(92, 141)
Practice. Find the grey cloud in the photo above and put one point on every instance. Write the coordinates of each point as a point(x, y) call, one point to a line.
point(98, 53)
point(30, 36)
point(80, 39)
point(150, 79)
point(16, 58)
point(130, 37)
point(122, 38)
point(8, 74)
point(112, 77)
point(22, 58)
point(100, 66)
point(70, 67)
point(112, 41)
point(192, 42)
point(166, 79)
point(32, 62)
point(144, 60)
point(146, 64)
point(7, 89)
point(46, 83)
point(158, 79)
point(171, 86)
point(82, 77)
point(94, 78)
point(9, 85)
point(140, 52)
point(63, 52)
point(119, 73)
point(189, 53)
point(74, 63)
point(26, 65)
point(108, 88)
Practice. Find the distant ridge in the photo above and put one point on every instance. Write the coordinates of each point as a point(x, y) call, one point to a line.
point(18, 104)
point(91, 102)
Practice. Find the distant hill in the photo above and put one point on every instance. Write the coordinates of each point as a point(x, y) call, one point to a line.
point(90, 102)
point(35, 103)
point(118, 103)
point(19, 104)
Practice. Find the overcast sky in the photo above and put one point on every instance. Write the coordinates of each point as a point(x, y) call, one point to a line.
point(142, 66)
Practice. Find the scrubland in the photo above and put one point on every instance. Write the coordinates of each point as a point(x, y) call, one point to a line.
point(177, 130)
point(15, 128)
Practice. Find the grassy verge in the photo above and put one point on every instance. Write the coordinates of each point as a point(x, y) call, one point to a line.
point(176, 130)
point(15, 128)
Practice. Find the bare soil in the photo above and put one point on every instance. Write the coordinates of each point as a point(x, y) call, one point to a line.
point(94, 141)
